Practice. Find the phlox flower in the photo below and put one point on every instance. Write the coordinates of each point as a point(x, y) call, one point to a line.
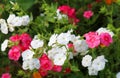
point(104, 30)
point(86, 60)
point(105, 39)
point(80, 46)
point(92, 39)
point(6, 75)
point(43, 72)
point(36, 43)
point(4, 45)
point(52, 39)
point(118, 75)
point(88, 14)
point(45, 62)
point(25, 41)
point(92, 71)
point(15, 38)
point(57, 68)
point(27, 54)
point(3, 26)
point(99, 63)
point(70, 12)
point(14, 53)
point(31, 64)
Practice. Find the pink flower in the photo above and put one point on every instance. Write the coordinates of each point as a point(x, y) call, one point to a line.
point(15, 38)
point(105, 39)
point(45, 62)
point(25, 41)
point(92, 39)
point(14, 53)
point(6, 75)
point(57, 68)
point(88, 14)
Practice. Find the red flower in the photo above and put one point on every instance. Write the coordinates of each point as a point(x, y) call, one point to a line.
point(25, 41)
point(15, 38)
point(43, 72)
point(67, 70)
point(57, 68)
point(45, 62)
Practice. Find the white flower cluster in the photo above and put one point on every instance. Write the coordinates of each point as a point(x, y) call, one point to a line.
point(59, 54)
point(28, 61)
point(80, 45)
point(13, 21)
point(94, 66)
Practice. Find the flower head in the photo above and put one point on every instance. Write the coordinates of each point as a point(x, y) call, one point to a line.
point(88, 14)
point(105, 39)
point(92, 39)
point(6, 75)
point(14, 53)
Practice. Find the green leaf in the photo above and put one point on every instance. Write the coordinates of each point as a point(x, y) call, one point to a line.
point(74, 68)
point(25, 4)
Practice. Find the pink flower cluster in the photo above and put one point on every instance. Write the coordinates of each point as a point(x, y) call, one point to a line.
point(21, 43)
point(70, 12)
point(94, 40)
point(47, 64)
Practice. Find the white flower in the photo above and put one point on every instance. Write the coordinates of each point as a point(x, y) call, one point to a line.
point(99, 63)
point(3, 26)
point(59, 59)
point(25, 64)
point(92, 71)
point(34, 63)
point(17, 21)
point(118, 75)
point(37, 43)
point(86, 60)
point(105, 30)
point(64, 38)
point(25, 20)
point(58, 55)
point(4, 45)
point(56, 50)
point(10, 19)
point(70, 55)
point(27, 54)
point(52, 39)
point(80, 46)
point(31, 64)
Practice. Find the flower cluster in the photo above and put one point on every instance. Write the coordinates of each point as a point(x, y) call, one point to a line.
point(13, 21)
point(94, 66)
point(101, 37)
point(61, 47)
point(56, 44)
